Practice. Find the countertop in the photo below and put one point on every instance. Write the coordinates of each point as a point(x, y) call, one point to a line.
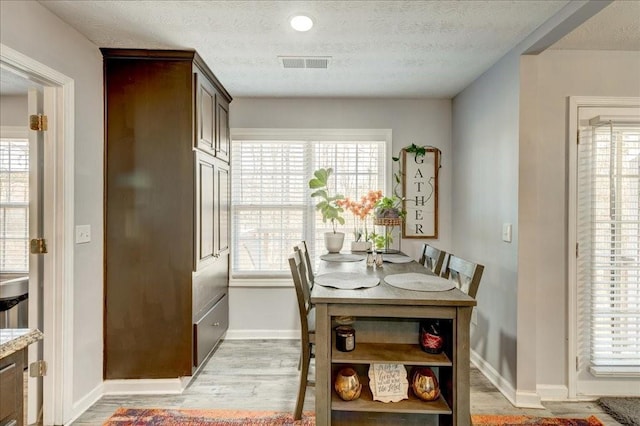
point(13, 340)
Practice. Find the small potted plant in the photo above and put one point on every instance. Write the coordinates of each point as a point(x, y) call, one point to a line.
point(389, 208)
point(361, 212)
point(329, 208)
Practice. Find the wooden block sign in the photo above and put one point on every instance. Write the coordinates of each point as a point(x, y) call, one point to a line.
point(420, 189)
point(388, 382)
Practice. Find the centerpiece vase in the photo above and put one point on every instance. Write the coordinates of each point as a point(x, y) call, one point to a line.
point(333, 241)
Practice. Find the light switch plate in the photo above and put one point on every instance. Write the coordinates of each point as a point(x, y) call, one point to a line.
point(506, 232)
point(83, 234)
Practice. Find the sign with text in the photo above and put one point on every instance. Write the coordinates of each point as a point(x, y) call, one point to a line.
point(388, 382)
point(420, 189)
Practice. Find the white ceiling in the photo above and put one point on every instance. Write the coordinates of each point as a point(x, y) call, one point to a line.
point(378, 48)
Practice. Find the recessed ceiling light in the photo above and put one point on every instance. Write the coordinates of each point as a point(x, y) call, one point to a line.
point(301, 23)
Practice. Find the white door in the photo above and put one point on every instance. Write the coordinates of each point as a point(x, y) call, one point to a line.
point(607, 267)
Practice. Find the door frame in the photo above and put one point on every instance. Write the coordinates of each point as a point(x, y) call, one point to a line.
point(576, 102)
point(58, 225)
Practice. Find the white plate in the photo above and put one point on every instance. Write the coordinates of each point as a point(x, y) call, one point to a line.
point(346, 280)
point(342, 257)
point(419, 282)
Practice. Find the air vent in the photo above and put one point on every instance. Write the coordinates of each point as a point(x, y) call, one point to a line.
point(317, 62)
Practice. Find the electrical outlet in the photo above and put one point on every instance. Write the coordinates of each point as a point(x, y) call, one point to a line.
point(83, 234)
point(474, 316)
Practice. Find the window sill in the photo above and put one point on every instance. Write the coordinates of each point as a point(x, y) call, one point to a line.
point(261, 282)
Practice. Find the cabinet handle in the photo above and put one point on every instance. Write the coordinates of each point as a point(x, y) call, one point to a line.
point(216, 324)
point(7, 368)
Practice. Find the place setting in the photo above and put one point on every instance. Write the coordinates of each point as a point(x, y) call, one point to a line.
point(419, 282)
point(346, 280)
point(342, 257)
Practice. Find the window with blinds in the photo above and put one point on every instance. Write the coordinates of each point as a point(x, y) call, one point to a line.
point(609, 238)
point(271, 205)
point(14, 205)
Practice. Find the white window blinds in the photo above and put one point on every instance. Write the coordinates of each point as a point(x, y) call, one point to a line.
point(14, 205)
point(271, 205)
point(609, 238)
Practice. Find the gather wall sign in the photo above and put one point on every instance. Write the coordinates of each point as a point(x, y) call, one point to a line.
point(419, 169)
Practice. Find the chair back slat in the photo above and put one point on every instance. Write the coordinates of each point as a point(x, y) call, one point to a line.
point(304, 256)
point(303, 296)
point(432, 258)
point(465, 274)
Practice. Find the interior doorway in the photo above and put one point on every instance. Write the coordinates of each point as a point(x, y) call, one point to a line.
point(52, 291)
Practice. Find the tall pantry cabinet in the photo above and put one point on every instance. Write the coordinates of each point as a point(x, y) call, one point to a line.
point(166, 213)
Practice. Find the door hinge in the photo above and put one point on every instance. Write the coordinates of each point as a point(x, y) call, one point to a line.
point(577, 364)
point(577, 250)
point(38, 369)
point(38, 246)
point(38, 122)
point(578, 137)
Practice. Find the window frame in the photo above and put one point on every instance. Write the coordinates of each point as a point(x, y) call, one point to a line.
point(316, 135)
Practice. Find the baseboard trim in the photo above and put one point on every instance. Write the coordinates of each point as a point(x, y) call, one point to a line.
point(528, 400)
point(262, 335)
point(553, 392)
point(79, 407)
point(518, 399)
point(145, 386)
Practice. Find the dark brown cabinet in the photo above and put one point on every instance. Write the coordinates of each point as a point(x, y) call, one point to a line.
point(166, 213)
point(11, 389)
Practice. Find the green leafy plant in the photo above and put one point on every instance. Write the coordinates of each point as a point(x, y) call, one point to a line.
point(389, 207)
point(327, 205)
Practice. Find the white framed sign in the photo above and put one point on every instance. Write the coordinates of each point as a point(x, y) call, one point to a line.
point(420, 189)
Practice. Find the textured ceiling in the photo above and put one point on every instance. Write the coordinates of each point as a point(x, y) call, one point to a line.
point(378, 48)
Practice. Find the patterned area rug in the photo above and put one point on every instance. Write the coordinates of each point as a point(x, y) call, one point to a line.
point(175, 417)
point(487, 420)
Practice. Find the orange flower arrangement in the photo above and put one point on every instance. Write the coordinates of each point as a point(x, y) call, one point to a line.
point(361, 211)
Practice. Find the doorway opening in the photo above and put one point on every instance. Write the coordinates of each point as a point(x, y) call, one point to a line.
point(50, 294)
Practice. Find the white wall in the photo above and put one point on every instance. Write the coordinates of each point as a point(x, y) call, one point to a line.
point(423, 122)
point(13, 111)
point(485, 195)
point(32, 30)
point(548, 80)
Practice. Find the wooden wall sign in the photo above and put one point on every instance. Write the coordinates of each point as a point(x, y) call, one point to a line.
point(420, 189)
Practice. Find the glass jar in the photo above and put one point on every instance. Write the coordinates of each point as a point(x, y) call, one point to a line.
point(345, 338)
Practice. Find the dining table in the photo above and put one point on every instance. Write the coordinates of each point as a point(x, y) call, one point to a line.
point(385, 306)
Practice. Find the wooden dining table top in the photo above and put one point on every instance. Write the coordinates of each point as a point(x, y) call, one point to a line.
point(383, 293)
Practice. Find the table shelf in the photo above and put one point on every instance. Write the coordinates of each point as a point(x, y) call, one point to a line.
point(411, 405)
point(390, 353)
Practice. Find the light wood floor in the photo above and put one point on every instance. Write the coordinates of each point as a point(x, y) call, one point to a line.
point(263, 375)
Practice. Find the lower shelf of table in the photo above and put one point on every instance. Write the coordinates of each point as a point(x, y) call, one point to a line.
point(411, 405)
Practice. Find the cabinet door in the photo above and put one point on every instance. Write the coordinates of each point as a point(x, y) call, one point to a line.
point(223, 208)
point(205, 210)
point(223, 137)
point(205, 113)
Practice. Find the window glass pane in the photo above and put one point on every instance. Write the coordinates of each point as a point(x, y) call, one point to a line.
point(14, 205)
point(271, 204)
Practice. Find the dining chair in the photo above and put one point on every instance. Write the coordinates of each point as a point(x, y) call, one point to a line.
point(465, 274)
point(307, 327)
point(432, 258)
